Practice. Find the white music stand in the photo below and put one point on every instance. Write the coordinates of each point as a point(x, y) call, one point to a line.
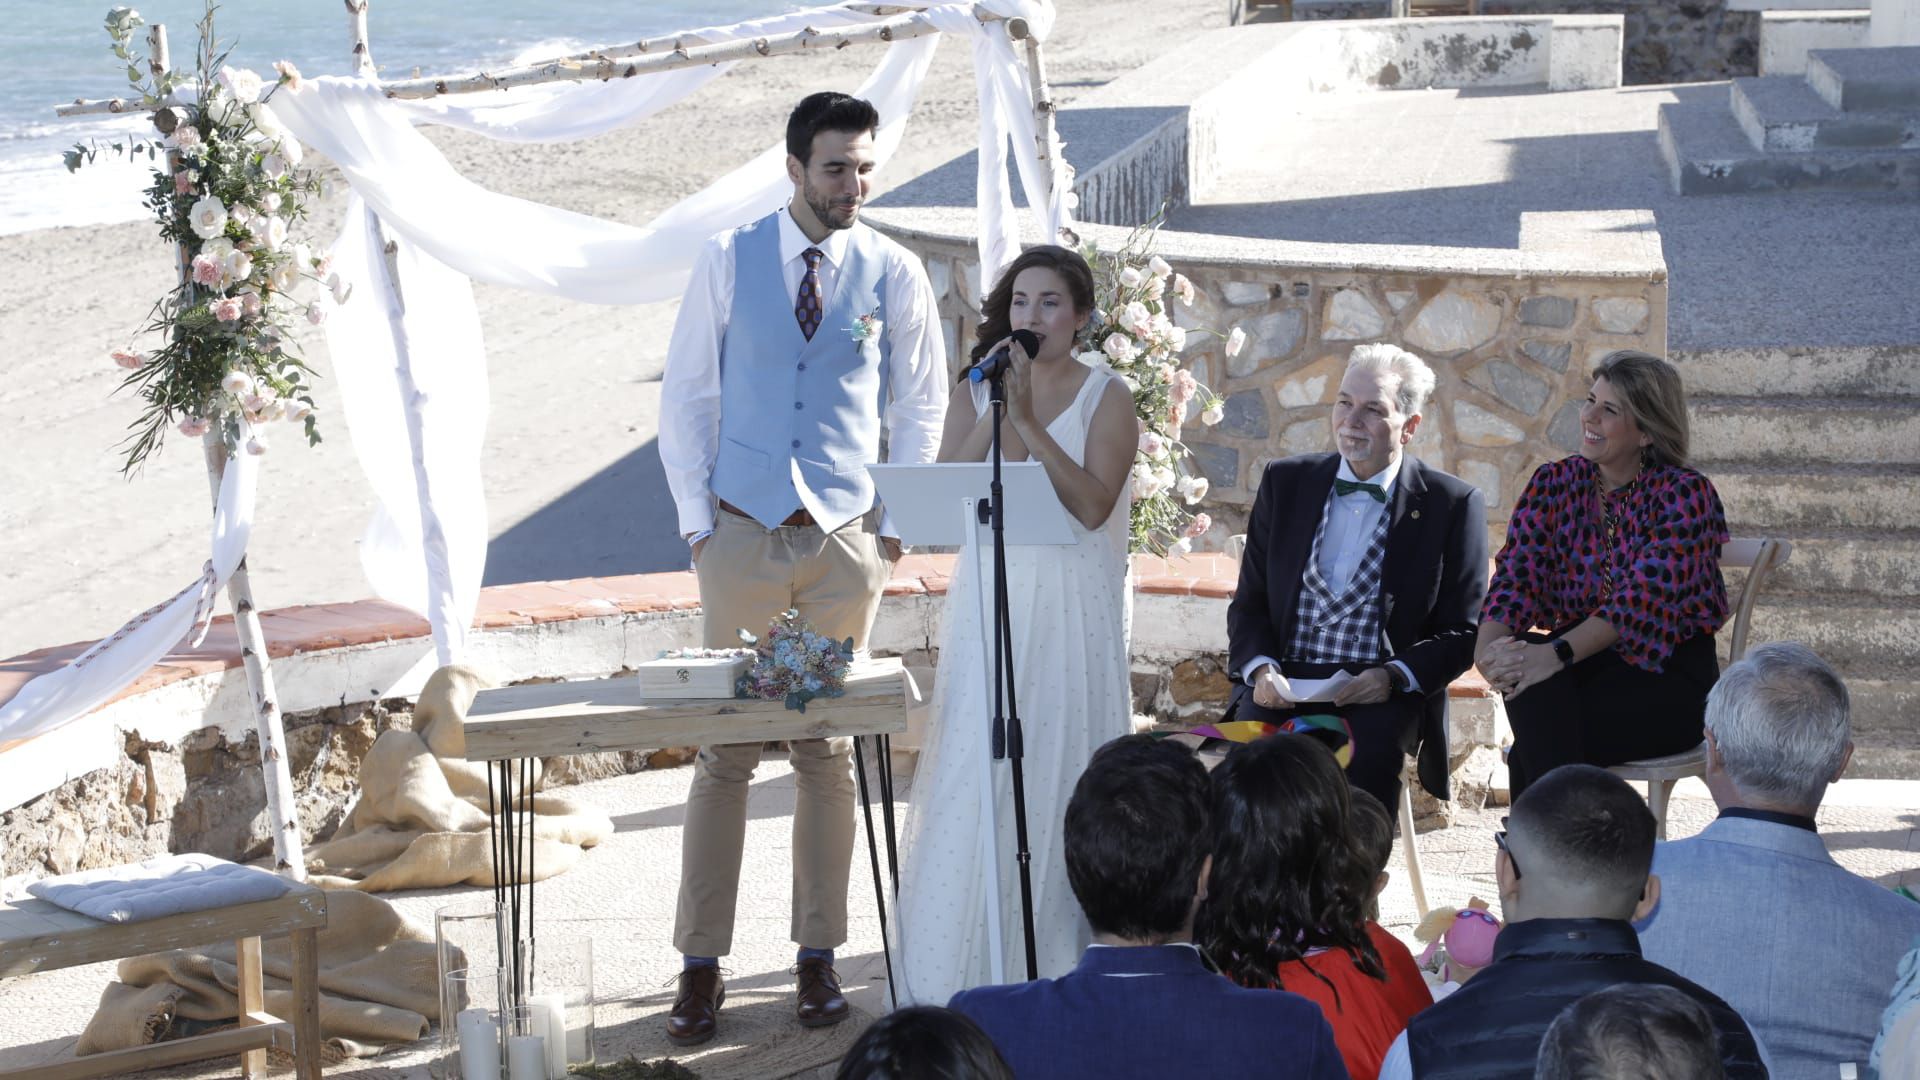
point(940, 504)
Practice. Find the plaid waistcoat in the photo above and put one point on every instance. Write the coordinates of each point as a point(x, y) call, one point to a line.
point(1344, 629)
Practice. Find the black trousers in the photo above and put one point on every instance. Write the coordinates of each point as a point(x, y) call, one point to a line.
point(1382, 734)
point(1605, 711)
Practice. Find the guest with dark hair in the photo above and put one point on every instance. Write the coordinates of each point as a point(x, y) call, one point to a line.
point(1614, 555)
point(923, 1043)
point(1143, 1002)
point(1282, 909)
point(1407, 991)
point(1631, 1032)
point(1572, 867)
point(1778, 733)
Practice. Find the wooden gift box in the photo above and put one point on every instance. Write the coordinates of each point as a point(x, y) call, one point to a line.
point(672, 677)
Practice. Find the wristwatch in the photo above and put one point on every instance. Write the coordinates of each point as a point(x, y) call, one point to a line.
point(1397, 679)
point(1563, 649)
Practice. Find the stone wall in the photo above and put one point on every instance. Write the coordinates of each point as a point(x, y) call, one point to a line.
point(1511, 352)
point(1691, 41)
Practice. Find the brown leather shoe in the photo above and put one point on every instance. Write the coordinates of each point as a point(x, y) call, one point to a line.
point(820, 1002)
point(696, 1006)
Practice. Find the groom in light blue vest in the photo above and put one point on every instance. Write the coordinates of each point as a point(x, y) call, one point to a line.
point(801, 334)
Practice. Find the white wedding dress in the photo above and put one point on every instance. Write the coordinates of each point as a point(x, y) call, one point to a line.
point(1069, 610)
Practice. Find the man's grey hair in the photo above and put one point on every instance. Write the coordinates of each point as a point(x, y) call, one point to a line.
point(1416, 378)
point(1631, 1031)
point(1779, 718)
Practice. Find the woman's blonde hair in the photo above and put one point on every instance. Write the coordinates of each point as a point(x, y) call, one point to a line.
point(1651, 390)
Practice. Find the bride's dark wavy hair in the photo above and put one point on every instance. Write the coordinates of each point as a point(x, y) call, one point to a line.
point(995, 324)
point(1283, 863)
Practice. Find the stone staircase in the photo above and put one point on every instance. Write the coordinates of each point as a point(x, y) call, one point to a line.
point(1821, 446)
point(1852, 123)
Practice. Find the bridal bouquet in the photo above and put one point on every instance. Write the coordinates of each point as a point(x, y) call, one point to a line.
point(227, 190)
point(795, 663)
point(1134, 290)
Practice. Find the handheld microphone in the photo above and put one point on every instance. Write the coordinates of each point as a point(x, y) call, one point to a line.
point(995, 363)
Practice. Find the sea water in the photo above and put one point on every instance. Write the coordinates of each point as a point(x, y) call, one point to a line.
point(54, 51)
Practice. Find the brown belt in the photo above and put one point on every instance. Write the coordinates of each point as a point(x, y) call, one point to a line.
point(797, 518)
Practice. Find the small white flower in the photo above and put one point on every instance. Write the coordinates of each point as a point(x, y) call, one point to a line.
point(1193, 488)
point(288, 74)
point(290, 150)
point(1118, 347)
point(208, 217)
point(237, 383)
point(273, 166)
point(256, 446)
point(1236, 341)
point(1183, 288)
point(271, 202)
point(241, 214)
point(298, 411)
point(1181, 546)
point(1176, 338)
point(302, 257)
point(316, 314)
point(266, 123)
point(340, 287)
point(1158, 267)
point(1131, 277)
point(1213, 414)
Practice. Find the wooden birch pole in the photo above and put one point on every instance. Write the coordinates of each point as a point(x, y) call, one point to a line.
point(282, 821)
point(1044, 136)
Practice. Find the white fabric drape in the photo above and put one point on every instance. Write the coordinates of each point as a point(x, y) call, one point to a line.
point(408, 355)
point(95, 676)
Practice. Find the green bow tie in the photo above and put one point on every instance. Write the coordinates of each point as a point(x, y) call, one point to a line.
point(1348, 487)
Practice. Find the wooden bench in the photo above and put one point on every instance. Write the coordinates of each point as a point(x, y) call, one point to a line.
point(38, 936)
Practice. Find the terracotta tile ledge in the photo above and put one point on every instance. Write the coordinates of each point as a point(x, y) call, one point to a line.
point(318, 627)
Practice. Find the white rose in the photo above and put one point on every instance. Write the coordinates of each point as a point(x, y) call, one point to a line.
point(284, 276)
point(241, 214)
point(1183, 288)
point(290, 150)
point(1213, 414)
point(237, 383)
point(265, 121)
point(298, 411)
point(1181, 546)
point(1131, 278)
point(217, 249)
point(1159, 268)
point(1176, 338)
point(1236, 341)
point(256, 446)
point(272, 201)
point(271, 232)
point(1136, 318)
point(1140, 479)
point(243, 83)
point(1193, 488)
point(239, 266)
point(316, 314)
point(1118, 347)
point(208, 218)
point(273, 165)
point(302, 257)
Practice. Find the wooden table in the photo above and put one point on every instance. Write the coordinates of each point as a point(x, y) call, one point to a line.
point(38, 936)
point(598, 715)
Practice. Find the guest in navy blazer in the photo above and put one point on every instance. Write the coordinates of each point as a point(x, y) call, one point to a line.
point(1143, 1002)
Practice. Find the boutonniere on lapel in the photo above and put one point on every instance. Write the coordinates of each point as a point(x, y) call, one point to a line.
point(866, 328)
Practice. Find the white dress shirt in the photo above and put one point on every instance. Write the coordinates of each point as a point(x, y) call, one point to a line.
point(1398, 1064)
point(1351, 519)
point(690, 389)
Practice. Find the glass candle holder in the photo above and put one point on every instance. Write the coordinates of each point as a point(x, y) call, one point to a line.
point(472, 1039)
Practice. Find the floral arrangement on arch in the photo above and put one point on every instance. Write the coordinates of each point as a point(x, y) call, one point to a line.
point(795, 663)
point(1135, 335)
point(228, 189)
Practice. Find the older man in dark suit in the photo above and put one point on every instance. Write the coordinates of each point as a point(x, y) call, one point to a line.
point(1365, 562)
point(1143, 1002)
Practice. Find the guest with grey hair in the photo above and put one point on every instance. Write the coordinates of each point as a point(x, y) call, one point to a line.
point(1334, 540)
point(1755, 908)
point(1631, 1032)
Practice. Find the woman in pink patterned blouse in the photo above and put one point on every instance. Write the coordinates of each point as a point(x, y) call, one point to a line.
point(1599, 621)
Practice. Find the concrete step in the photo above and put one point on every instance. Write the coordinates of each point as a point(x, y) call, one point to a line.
point(1865, 79)
point(1879, 431)
point(1885, 563)
point(1825, 371)
point(1770, 500)
point(1860, 635)
point(1886, 742)
point(1784, 113)
point(1707, 153)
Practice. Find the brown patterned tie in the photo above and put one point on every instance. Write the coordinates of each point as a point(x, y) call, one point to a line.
point(806, 305)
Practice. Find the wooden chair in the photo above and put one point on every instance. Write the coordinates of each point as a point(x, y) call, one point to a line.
point(38, 936)
point(1760, 558)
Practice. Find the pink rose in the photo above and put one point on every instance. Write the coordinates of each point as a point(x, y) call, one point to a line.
point(226, 310)
point(193, 427)
point(1183, 387)
point(182, 183)
point(1198, 526)
point(132, 361)
point(207, 270)
point(250, 304)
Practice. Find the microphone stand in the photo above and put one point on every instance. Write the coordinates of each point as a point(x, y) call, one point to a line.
point(1007, 738)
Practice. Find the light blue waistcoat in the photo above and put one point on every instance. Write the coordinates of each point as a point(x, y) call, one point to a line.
point(798, 408)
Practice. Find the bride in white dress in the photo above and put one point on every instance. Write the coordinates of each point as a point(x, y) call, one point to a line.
point(1068, 611)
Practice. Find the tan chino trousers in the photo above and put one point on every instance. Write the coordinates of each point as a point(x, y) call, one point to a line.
point(749, 574)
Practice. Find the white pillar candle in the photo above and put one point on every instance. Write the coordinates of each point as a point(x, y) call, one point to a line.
point(527, 1057)
point(550, 1018)
point(479, 1045)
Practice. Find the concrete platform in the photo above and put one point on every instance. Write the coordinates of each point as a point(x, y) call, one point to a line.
point(1456, 169)
point(622, 894)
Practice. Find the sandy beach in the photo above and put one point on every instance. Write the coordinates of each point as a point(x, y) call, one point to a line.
point(572, 476)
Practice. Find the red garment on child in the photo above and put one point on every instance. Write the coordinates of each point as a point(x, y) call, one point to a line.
point(1364, 1019)
point(1406, 990)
